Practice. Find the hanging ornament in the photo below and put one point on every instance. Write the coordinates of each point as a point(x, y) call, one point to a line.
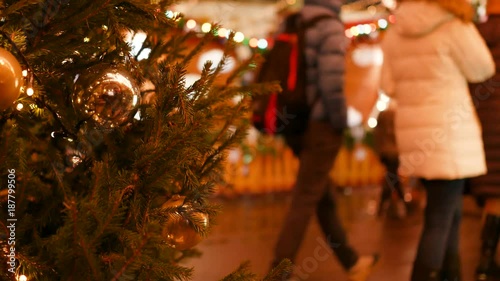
point(73, 158)
point(179, 232)
point(11, 77)
point(107, 95)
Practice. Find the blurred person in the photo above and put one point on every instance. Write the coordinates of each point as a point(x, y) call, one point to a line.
point(431, 52)
point(487, 187)
point(317, 149)
point(386, 148)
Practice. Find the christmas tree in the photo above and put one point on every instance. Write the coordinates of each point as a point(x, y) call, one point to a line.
point(102, 177)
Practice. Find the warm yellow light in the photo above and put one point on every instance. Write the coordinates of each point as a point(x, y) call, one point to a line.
point(254, 42)
point(372, 10)
point(381, 106)
point(191, 24)
point(206, 27)
point(372, 122)
point(25, 73)
point(30, 92)
point(354, 31)
point(22, 278)
point(239, 37)
point(223, 32)
point(86, 39)
point(291, 2)
point(348, 33)
point(19, 106)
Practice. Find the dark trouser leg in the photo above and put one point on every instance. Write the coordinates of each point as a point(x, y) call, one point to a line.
point(320, 148)
point(444, 200)
point(391, 182)
point(334, 231)
point(392, 177)
point(489, 237)
point(451, 269)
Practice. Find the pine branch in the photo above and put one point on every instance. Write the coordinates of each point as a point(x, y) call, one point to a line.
point(241, 274)
point(136, 254)
point(16, 7)
point(278, 273)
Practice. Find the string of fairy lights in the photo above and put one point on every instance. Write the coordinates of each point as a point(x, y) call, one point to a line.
point(352, 32)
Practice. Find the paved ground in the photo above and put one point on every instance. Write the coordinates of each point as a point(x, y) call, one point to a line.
point(248, 227)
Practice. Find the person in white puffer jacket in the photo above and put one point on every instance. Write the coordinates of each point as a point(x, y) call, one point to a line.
point(431, 53)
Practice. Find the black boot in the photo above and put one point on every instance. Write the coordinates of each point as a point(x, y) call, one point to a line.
point(490, 233)
point(451, 268)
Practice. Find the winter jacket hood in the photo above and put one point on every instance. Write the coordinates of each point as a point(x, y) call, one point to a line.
point(416, 19)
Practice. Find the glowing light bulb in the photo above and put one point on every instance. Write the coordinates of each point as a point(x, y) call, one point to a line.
point(239, 37)
point(206, 27)
point(372, 10)
point(348, 33)
point(22, 278)
point(223, 32)
point(25, 73)
point(392, 18)
point(19, 106)
point(382, 23)
point(30, 91)
point(86, 39)
point(354, 31)
point(169, 14)
point(262, 43)
point(372, 122)
point(381, 106)
point(191, 24)
point(383, 97)
point(253, 42)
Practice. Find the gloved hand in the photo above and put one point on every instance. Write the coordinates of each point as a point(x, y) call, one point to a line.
point(354, 117)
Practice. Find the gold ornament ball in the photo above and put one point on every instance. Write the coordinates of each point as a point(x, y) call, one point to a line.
point(11, 76)
point(180, 233)
point(107, 95)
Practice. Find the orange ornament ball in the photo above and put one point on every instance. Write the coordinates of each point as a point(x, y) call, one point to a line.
point(11, 75)
point(181, 235)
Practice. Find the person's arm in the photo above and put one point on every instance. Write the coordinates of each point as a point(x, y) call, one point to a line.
point(331, 69)
point(471, 53)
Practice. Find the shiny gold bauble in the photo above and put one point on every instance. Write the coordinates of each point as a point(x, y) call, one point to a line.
point(180, 233)
point(107, 95)
point(11, 78)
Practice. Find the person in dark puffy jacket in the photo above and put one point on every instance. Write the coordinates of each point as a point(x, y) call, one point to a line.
point(325, 49)
point(487, 99)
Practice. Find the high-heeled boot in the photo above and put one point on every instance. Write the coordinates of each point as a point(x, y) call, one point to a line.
point(489, 236)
